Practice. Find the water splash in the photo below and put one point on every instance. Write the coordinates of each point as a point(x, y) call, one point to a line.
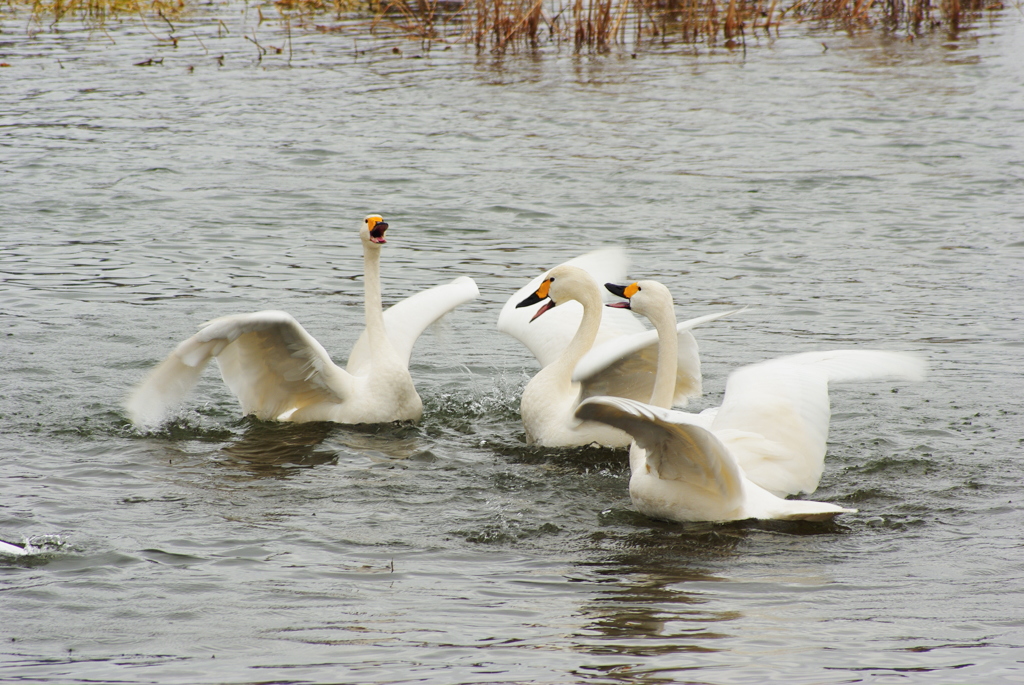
point(35, 546)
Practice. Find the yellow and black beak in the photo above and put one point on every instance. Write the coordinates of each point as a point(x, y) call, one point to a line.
point(377, 226)
point(542, 293)
point(626, 291)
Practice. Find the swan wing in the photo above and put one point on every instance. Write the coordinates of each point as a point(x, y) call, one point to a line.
point(677, 446)
point(548, 335)
point(167, 384)
point(625, 366)
point(12, 550)
point(775, 414)
point(406, 320)
point(267, 359)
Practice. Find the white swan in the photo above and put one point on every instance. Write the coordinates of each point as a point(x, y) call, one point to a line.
point(280, 372)
point(623, 365)
point(735, 462)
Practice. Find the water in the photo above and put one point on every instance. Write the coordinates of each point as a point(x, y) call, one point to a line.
point(864, 194)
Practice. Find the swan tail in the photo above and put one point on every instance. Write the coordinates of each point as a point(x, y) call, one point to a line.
point(808, 510)
point(762, 504)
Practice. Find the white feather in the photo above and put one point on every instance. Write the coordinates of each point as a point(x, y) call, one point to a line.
point(775, 414)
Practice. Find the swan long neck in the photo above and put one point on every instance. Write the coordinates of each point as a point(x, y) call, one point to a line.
point(374, 312)
point(586, 334)
point(668, 350)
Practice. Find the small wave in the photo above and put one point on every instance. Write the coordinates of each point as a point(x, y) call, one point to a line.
point(590, 459)
point(504, 530)
point(890, 522)
point(862, 495)
point(895, 465)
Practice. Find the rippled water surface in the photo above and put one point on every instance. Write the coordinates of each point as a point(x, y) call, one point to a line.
point(850, 190)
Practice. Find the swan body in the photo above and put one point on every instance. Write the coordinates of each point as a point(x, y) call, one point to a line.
point(624, 364)
point(278, 371)
point(737, 461)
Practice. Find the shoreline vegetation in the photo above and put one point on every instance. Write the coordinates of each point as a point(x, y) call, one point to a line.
point(516, 25)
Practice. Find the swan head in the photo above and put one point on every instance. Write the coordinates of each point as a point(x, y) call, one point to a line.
point(372, 231)
point(643, 297)
point(560, 285)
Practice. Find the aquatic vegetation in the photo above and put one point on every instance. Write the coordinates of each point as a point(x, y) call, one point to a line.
point(99, 10)
point(585, 25)
point(499, 25)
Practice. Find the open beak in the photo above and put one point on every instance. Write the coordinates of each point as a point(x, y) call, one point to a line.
point(620, 291)
point(541, 294)
point(377, 232)
point(548, 305)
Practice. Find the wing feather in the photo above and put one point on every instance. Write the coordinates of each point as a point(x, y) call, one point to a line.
point(677, 446)
point(406, 320)
point(775, 414)
point(267, 359)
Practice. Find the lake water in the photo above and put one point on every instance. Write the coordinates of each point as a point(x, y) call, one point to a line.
point(856, 190)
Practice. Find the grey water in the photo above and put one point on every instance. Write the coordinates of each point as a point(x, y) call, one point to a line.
point(850, 190)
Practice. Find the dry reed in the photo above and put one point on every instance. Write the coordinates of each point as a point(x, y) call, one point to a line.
point(597, 25)
point(585, 25)
point(318, 6)
point(99, 10)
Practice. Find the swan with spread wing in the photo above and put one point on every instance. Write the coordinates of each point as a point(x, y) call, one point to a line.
point(737, 461)
point(278, 371)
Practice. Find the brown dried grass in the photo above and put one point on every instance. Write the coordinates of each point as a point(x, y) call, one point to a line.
point(101, 9)
point(585, 25)
point(598, 25)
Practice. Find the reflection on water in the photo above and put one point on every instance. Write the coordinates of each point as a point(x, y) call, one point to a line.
point(386, 442)
point(274, 450)
point(654, 595)
point(580, 459)
point(650, 611)
point(650, 602)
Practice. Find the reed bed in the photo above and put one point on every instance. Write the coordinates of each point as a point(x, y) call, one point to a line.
point(600, 25)
point(99, 10)
point(585, 25)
